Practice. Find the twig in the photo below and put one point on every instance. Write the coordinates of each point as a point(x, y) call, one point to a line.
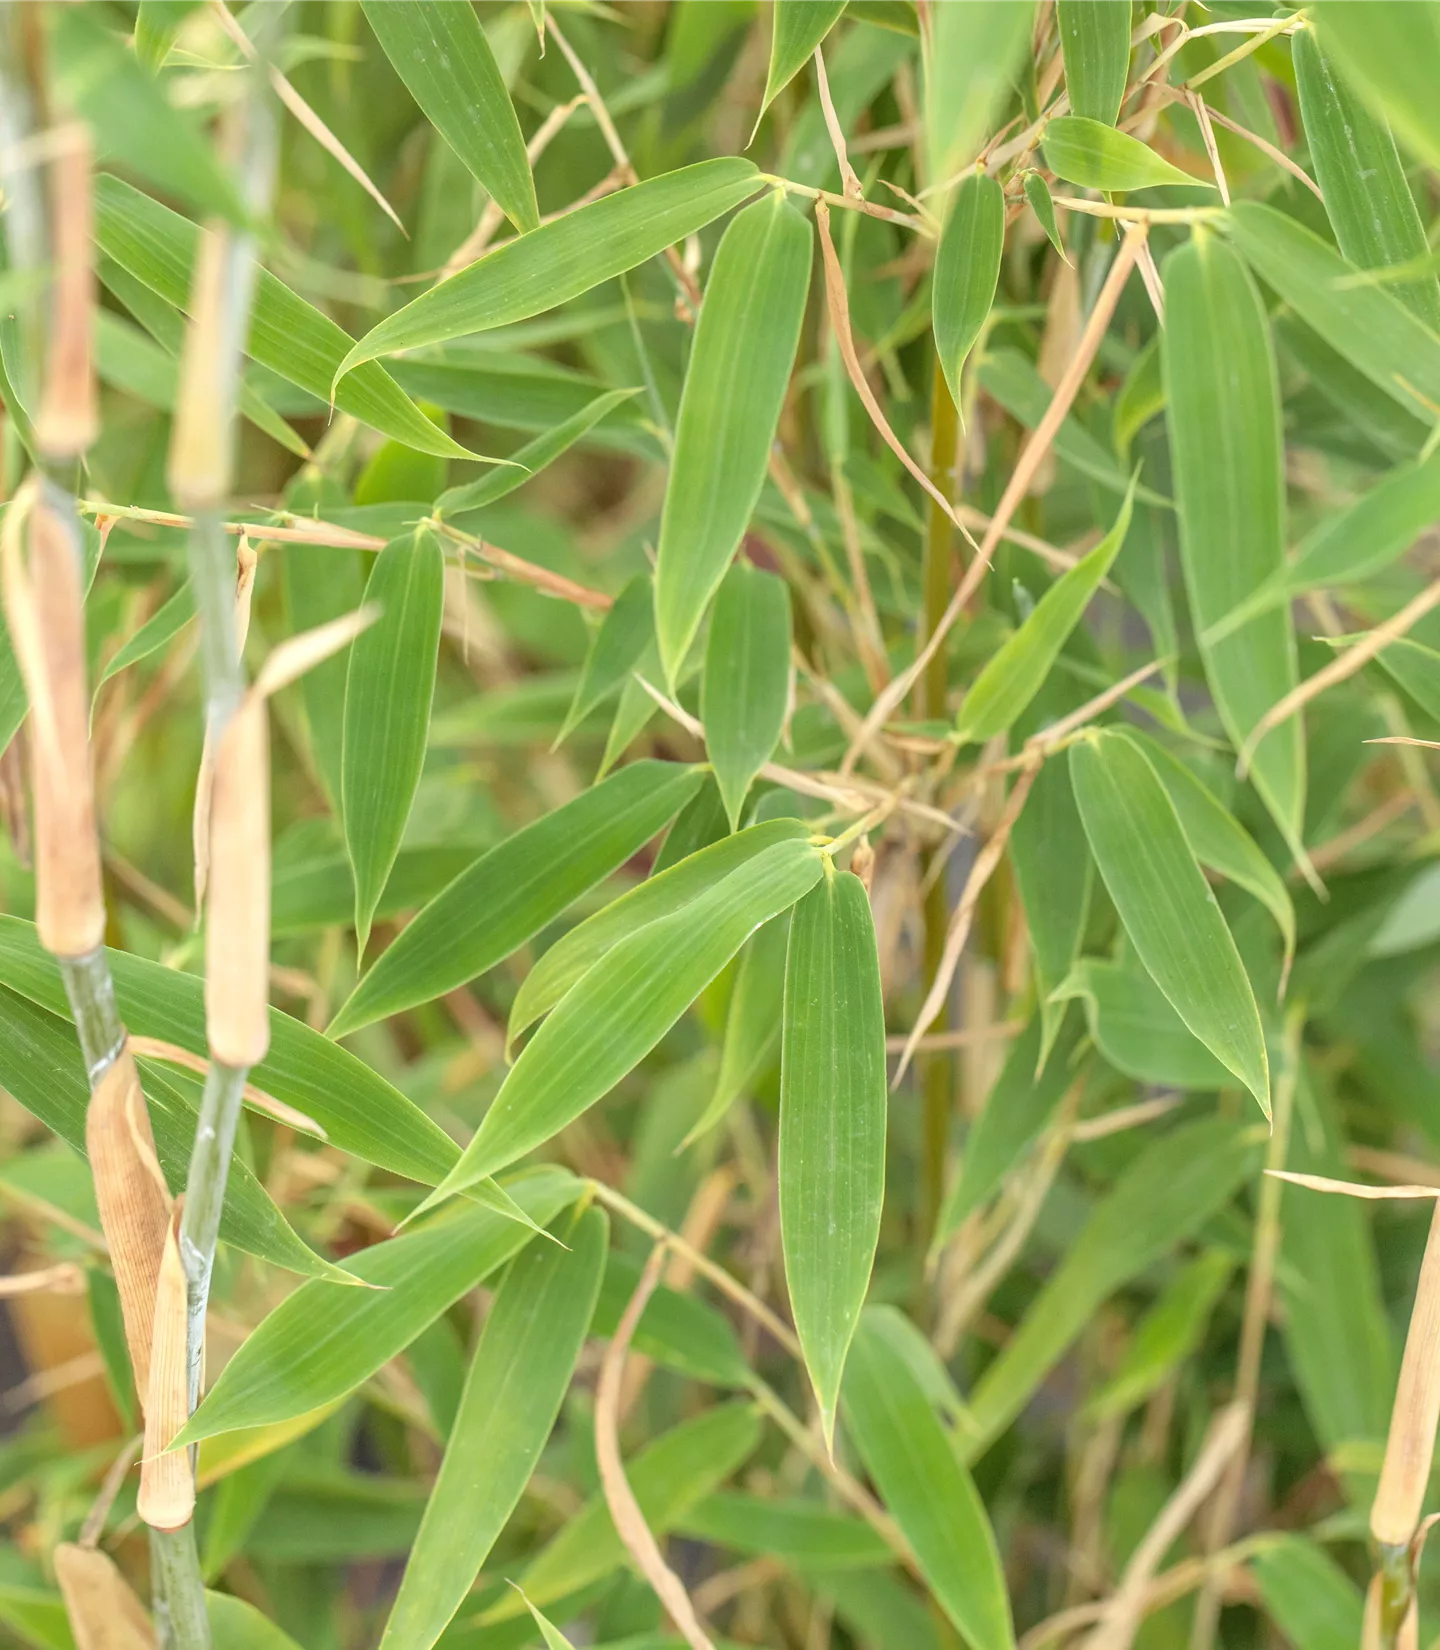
point(850, 185)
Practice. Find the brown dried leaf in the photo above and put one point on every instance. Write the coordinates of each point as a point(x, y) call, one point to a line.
point(103, 1610)
point(167, 1484)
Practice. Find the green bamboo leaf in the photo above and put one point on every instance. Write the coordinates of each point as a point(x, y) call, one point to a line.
point(1013, 676)
point(1140, 397)
point(510, 893)
point(1369, 420)
point(1166, 1336)
point(735, 386)
point(519, 1375)
point(746, 685)
point(796, 32)
point(563, 259)
point(161, 628)
point(322, 584)
point(634, 710)
point(1417, 669)
point(668, 1477)
point(1042, 204)
point(1223, 413)
point(1218, 839)
point(1307, 1595)
point(803, 1533)
point(1367, 199)
point(1166, 1193)
point(1363, 321)
point(832, 1124)
point(1136, 1029)
point(675, 1329)
point(1095, 37)
point(1096, 156)
point(618, 647)
point(967, 269)
point(914, 1464)
point(973, 51)
point(157, 22)
point(291, 337)
point(617, 1013)
point(440, 51)
point(1391, 53)
point(554, 1638)
point(388, 691)
point(323, 1341)
point(238, 1625)
point(357, 1108)
point(239, 1501)
point(663, 892)
point(1168, 908)
point(133, 120)
point(535, 455)
point(752, 1022)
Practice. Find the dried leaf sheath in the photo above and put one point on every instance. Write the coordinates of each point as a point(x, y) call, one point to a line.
point(167, 1483)
point(237, 942)
point(1410, 1447)
point(69, 417)
point(133, 1199)
point(102, 1607)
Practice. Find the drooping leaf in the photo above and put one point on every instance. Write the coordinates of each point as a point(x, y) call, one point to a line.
point(161, 628)
point(735, 383)
point(441, 53)
point(746, 684)
point(1165, 1194)
point(797, 29)
point(619, 646)
point(1042, 204)
point(1135, 1027)
point(388, 691)
point(1168, 908)
point(1095, 37)
point(925, 1485)
point(321, 1342)
point(562, 259)
point(832, 1123)
point(623, 1006)
point(1014, 675)
point(752, 1022)
point(1223, 413)
point(510, 893)
point(967, 269)
point(973, 51)
point(519, 1374)
point(1096, 156)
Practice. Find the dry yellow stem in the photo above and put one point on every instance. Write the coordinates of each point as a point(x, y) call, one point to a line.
point(156, 1048)
point(69, 416)
point(43, 604)
point(1416, 1411)
point(133, 1200)
point(237, 931)
point(65, 1278)
point(103, 1609)
point(167, 1485)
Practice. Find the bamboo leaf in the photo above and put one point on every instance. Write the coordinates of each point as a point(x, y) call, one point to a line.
point(803, 1533)
point(661, 894)
point(1136, 1029)
point(157, 22)
point(1392, 54)
point(973, 51)
point(623, 1006)
point(289, 336)
point(1367, 199)
point(1307, 1595)
point(1167, 1192)
point(1223, 413)
point(677, 1330)
point(746, 685)
point(1095, 37)
point(161, 628)
point(388, 692)
point(561, 260)
point(518, 1377)
point(320, 585)
point(797, 30)
point(967, 269)
point(511, 892)
point(323, 1341)
point(1167, 907)
point(618, 647)
point(735, 385)
point(1096, 156)
point(441, 53)
point(237, 1625)
point(553, 1637)
point(1015, 674)
point(915, 1466)
point(1042, 204)
point(832, 1124)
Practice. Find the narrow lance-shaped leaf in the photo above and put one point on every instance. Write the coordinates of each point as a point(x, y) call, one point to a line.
point(618, 646)
point(236, 1624)
point(1136, 1029)
point(519, 1375)
point(973, 50)
point(1167, 906)
point(1042, 204)
point(440, 51)
point(611, 1020)
point(967, 269)
point(562, 259)
point(510, 893)
point(1012, 678)
point(1367, 199)
point(1223, 413)
point(1096, 156)
point(1392, 54)
point(388, 690)
point(735, 385)
point(832, 1124)
point(1095, 37)
point(797, 29)
point(926, 1487)
point(746, 684)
